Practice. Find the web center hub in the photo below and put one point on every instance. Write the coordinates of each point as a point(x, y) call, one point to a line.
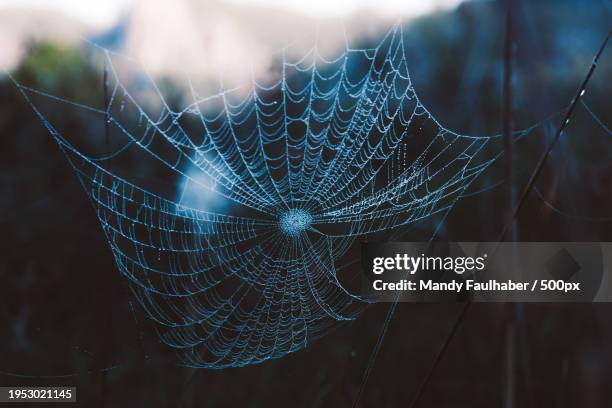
point(294, 221)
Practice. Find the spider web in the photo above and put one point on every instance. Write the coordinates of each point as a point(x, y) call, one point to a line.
point(288, 177)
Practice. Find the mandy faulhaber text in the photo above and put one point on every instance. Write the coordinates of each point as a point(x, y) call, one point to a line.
point(456, 286)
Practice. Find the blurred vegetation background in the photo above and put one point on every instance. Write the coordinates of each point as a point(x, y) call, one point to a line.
point(66, 314)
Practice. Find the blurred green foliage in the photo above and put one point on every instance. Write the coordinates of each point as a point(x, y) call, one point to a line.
point(60, 70)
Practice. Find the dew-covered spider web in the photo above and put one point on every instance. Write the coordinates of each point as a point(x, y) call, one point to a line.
point(234, 218)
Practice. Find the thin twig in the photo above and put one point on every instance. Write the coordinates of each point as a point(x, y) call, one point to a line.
point(440, 354)
point(510, 321)
point(546, 153)
point(507, 118)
